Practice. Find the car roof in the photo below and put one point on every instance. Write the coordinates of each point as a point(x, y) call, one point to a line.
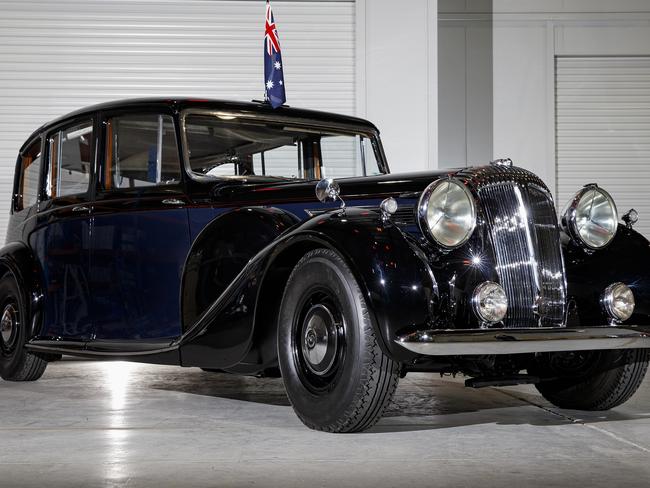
point(179, 104)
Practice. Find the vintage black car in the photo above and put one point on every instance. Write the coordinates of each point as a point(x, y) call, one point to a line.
point(238, 238)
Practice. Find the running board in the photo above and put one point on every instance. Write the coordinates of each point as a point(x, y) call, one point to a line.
point(512, 380)
point(469, 342)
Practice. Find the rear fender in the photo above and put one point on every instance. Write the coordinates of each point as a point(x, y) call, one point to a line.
point(18, 260)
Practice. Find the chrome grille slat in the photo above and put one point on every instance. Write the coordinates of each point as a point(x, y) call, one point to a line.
point(551, 269)
point(524, 233)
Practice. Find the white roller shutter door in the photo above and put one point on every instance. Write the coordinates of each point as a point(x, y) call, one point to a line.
point(603, 129)
point(61, 55)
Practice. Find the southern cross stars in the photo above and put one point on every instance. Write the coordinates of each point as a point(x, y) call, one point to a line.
point(269, 85)
point(277, 65)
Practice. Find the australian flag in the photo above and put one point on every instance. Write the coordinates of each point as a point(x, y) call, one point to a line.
point(273, 76)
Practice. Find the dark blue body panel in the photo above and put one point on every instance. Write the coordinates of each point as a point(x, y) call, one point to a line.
point(136, 268)
point(61, 244)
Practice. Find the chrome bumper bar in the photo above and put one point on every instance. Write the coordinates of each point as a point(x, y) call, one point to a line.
point(461, 342)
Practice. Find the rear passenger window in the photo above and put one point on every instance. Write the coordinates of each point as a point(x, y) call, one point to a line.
point(70, 160)
point(30, 172)
point(141, 151)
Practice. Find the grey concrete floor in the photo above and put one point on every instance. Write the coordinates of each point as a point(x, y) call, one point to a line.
point(88, 424)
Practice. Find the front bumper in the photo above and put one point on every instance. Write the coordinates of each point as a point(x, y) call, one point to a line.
point(462, 342)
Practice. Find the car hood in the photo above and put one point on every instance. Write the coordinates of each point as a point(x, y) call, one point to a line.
point(270, 191)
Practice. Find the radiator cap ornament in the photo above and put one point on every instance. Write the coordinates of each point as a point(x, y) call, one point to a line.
point(631, 218)
point(501, 162)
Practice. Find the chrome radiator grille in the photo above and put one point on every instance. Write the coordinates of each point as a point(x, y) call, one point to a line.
point(523, 229)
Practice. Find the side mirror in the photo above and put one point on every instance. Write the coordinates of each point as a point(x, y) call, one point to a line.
point(328, 190)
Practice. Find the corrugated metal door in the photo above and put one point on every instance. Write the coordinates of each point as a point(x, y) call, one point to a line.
point(58, 56)
point(603, 129)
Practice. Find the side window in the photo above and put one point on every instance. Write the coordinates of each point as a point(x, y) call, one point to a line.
point(338, 153)
point(141, 150)
point(70, 160)
point(280, 161)
point(29, 176)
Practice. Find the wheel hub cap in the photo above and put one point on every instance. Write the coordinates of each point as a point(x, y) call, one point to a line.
point(319, 340)
point(8, 323)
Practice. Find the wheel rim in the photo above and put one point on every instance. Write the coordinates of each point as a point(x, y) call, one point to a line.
point(9, 323)
point(319, 340)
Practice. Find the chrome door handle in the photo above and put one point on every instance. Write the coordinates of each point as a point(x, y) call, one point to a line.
point(81, 208)
point(172, 201)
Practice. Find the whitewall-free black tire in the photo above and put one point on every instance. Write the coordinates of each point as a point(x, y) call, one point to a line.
point(16, 363)
point(335, 373)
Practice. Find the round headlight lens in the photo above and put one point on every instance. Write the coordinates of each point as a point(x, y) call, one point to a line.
point(618, 301)
point(447, 212)
point(490, 302)
point(591, 217)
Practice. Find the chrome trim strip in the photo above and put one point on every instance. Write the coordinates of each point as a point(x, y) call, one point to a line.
point(72, 351)
point(461, 342)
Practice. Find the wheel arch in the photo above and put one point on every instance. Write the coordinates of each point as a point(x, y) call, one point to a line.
point(239, 329)
point(271, 291)
point(368, 249)
point(17, 259)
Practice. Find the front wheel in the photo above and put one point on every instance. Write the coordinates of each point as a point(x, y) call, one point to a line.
point(16, 363)
point(336, 375)
point(590, 380)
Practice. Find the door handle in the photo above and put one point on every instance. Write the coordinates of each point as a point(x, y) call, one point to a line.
point(81, 208)
point(173, 201)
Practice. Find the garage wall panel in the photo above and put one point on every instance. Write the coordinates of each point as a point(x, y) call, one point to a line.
point(603, 129)
point(59, 56)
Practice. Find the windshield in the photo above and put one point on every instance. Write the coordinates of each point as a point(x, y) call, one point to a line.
point(223, 146)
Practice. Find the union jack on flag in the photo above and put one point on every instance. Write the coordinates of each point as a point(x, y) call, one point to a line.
point(273, 76)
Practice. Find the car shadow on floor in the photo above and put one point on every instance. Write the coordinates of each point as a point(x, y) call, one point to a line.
point(421, 402)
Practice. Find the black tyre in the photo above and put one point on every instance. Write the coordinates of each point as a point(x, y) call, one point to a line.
point(590, 380)
point(336, 375)
point(16, 363)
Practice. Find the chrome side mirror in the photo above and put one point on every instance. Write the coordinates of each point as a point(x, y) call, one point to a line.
point(328, 190)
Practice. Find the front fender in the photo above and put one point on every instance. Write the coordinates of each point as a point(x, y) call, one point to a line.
point(626, 259)
point(399, 286)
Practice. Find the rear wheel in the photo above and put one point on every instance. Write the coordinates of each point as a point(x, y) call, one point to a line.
point(16, 363)
point(590, 380)
point(336, 375)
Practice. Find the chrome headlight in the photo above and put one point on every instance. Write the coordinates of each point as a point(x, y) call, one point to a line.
point(490, 302)
point(618, 301)
point(591, 217)
point(447, 212)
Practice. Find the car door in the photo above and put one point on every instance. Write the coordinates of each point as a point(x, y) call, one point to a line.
point(140, 230)
point(61, 236)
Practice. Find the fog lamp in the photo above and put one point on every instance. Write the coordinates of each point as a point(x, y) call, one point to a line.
point(490, 302)
point(618, 301)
